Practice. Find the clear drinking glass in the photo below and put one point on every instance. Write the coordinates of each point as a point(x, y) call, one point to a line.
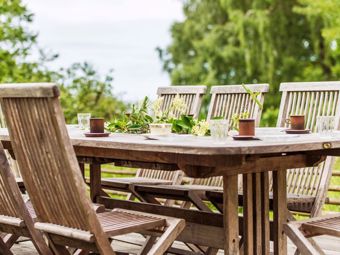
point(325, 125)
point(84, 120)
point(219, 129)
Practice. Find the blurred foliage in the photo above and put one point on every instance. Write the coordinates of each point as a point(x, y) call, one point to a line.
point(259, 41)
point(83, 90)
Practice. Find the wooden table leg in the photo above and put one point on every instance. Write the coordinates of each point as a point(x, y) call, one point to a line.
point(248, 226)
point(280, 211)
point(256, 214)
point(265, 212)
point(230, 214)
point(95, 181)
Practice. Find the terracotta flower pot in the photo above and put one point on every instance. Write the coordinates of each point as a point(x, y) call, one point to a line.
point(297, 122)
point(97, 125)
point(247, 127)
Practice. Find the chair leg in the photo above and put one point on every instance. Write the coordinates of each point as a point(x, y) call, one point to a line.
point(314, 244)
point(211, 251)
point(147, 246)
point(59, 249)
point(174, 228)
point(130, 197)
point(4, 250)
point(186, 205)
point(10, 239)
point(304, 246)
point(81, 252)
point(198, 202)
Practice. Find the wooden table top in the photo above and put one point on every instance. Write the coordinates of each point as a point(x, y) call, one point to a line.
point(272, 140)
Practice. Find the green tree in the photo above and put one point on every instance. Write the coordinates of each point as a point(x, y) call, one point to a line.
point(327, 11)
point(83, 90)
point(241, 41)
point(16, 45)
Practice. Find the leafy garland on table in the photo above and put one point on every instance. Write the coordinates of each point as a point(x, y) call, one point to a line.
point(135, 122)
point(138, 120)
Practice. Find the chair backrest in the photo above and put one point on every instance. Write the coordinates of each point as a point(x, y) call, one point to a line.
point(46, 158)
point(14, 215)
point(311, 99)
point(229, 100)
point(12, 162)
point(10, 196)
point(233, 99)
point(192, 96)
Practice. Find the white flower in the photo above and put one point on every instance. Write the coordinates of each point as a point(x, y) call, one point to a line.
point(201, 128)
point(178, 107)
point(157, 107)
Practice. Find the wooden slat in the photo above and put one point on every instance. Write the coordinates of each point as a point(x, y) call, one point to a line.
point(31, 90)
point(280, 211)
point(65, 231)
point(239, 89)
point(230, 202)
point(118, 223)
point(12, 221)
point(310, 86)
point(248, 232)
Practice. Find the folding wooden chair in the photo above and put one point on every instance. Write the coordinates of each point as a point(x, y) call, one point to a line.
point(225, 102)
point(16, 216)
point(192, 95)
point(299, 231)
point(54, 182)
point(306, 187)
point(12, 162)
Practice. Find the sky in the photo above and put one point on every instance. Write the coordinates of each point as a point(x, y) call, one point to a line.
point(110, 34)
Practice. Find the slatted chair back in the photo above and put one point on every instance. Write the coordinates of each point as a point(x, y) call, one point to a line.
point(233, 99)
point(311, 99)
point(192, 95)
point(15, 217)
point(13, 163)
point(10, 195)
point(48, 162)
point(227, 101)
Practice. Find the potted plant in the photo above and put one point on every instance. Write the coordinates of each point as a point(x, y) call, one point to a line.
point(242, 121)
point(162, 123)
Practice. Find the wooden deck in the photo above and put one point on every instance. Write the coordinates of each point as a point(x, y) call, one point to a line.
point(330, 245)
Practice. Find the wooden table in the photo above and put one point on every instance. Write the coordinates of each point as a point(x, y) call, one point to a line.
point(202, 157)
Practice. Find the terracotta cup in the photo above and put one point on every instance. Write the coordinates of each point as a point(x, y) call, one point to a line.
point(297, 122)
point(247, 127)
point(96, 125)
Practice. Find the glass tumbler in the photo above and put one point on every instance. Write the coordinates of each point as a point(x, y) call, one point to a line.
point(325, 125)
point(84, 121)
point(219, 130)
